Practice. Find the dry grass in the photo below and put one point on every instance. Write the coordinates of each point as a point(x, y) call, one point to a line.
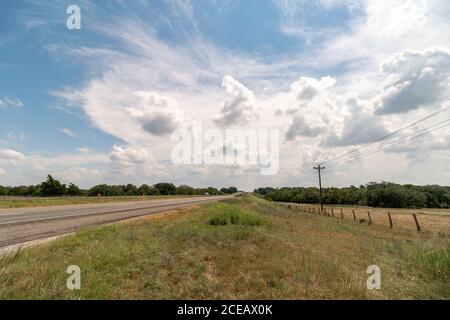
point(290, 255)
point(23, 202)
point(430, 220)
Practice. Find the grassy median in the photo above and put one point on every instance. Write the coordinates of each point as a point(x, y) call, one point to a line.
point(58, 201)
point(242, 248)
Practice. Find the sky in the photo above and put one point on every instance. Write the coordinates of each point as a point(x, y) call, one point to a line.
point(103, 103)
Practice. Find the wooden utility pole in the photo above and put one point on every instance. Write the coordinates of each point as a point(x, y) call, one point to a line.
point(318, 168)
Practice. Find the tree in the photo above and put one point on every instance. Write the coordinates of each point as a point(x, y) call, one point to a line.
point(384, 194)
point(229, 190)
point(18, 191)
point(100, 189)
point(130, 190)
point(147, 190)
point(3, 191)
point(186, 190)
point(34, 191)
point(165, 188)
point(52, 187)
point(264, 191)
point(212, 191)
point(73, 190)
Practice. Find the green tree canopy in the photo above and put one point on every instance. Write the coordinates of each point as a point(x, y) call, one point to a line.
point(52, 187)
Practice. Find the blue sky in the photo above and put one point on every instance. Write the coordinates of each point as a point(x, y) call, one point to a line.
point(68, 102)
point(250, 27)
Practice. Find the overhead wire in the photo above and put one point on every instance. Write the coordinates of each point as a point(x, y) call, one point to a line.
point(423, 132)
point(388, 135)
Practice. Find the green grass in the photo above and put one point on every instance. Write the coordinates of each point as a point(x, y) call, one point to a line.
point(242, 248)
point(233, 215)
point(54, 201)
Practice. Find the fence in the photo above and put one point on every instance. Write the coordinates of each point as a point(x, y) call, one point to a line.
point(339, 214)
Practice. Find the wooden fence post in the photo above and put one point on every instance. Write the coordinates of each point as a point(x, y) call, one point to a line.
point(342, 214)
point(370, 218)
point(332, 212)
point(354, 215)
point(390, 219)
point(417, 222)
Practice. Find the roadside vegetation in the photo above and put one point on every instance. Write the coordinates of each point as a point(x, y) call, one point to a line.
point(58, 201)
point(384, 194)
point(241, 248)
point(53, 192)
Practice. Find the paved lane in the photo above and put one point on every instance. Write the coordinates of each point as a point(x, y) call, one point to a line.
point(24, 224)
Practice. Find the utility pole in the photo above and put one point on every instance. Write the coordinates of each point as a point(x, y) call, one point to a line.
point(318, 168)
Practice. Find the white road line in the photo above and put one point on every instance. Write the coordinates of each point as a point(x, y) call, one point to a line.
point(97, 212)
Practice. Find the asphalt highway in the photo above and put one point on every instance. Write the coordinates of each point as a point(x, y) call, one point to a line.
point(26, 224)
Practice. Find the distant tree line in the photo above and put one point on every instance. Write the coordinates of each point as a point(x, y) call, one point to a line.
point(384, 194)
point(52, 187)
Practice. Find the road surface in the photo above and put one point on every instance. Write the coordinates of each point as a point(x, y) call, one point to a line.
point(25, 224)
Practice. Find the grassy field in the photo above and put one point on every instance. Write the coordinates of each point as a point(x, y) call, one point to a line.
point(434, 220)
point(242, 248)
point(57, 201)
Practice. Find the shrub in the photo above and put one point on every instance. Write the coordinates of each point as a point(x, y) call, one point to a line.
point(236, 218)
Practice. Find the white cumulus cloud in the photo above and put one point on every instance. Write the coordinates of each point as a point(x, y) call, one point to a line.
point(10, 154)
point(158, 115)
point(359, 126)
point(239, 108)
point(421, 79)
point(129, 160)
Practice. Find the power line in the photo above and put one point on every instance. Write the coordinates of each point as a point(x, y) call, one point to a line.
point(408, 137)
point(401, 140)
point(388, 135)
point(425, 131)
point(381, 148)
point(398, 141)
point(306, 176)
